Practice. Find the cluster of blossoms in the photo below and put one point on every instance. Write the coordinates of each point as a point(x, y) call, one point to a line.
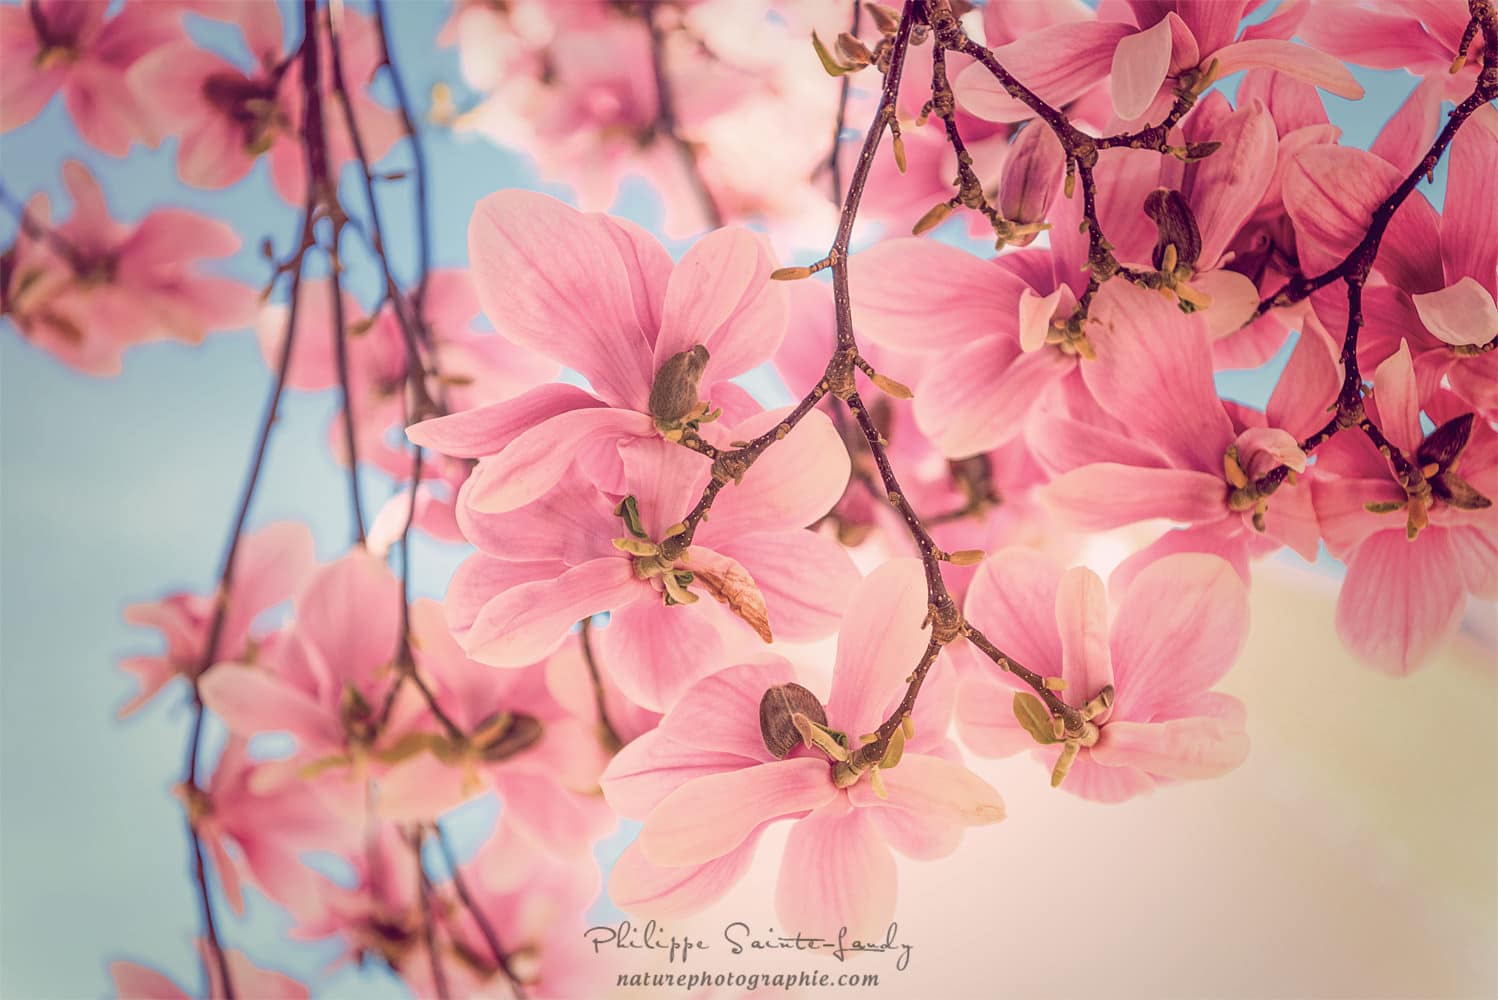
point(660, 563)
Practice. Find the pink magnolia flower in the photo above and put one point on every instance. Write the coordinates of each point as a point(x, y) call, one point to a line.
point(1199, 209)
point(965, 314)
point(1173, 449)
point(137, 982)
point(1445, 312)
point(1419, 36)
point(521, 742)
point(1179, 627)
point(73, 46)
point(1153, 49)
point(271, 566)
point(570, 681)
point(378, 915)
point(325, 681)
point(707, 785)
point(474, 368)
point(581, 97)
point(601, 296)
point(228, 116)
point(1264, 247)
point(536, 907)
point(579, 551)
point(95, 287)
point(270, 825)
point(1408, 577)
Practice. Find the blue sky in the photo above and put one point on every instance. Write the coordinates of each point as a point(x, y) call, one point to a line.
point(117, 491)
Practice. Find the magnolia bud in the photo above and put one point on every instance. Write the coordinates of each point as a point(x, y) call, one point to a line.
point(933, 218)
point(1175, 226)
point(777, 710)
point(790, 273)
point(1031, 174)
point(673, 395)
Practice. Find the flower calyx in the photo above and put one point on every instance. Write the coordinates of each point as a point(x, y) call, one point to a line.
point(1073, 734)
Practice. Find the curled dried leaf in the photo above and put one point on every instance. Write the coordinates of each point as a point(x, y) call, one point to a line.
point(778, 707)
point(731, 585)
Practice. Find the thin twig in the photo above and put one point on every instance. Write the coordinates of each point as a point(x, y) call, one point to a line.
point(501, 957)
point(606, 729)
point(667, 124)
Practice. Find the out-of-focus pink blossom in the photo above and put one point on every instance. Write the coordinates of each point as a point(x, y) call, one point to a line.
point(519, 741)
point(535, 906)
point(473, 368)
point(707, 786)
point(137, 982)
point(270, 825)
point(326, 679)
point(228, 116)
point(1179, 627)
point(87, 289)
point(1406, 584)
point(75, 47)
point(271, 566)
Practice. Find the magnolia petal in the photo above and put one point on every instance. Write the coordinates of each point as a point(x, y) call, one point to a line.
point(537, 458)
point(1292, 59)
point(837, 872)
point(1082, 620)
point(709, 817)
point(806, 580)
point(1035, 312)
point(653, 766)
point(926, 297)
point(880, 642)
point(554, 280)
point(1398, 395)
point(1140, 63)
point(721, 296)
point(1105, 495)
point(1180, 626)
point(1401, 600)
point(940, 789)
point(637, 886)
point(1179, 748)
point(486, 430)
point(1058, 63)
point(657, 651)
point(528, 621)
point(1469, 236)
point(1462, 314)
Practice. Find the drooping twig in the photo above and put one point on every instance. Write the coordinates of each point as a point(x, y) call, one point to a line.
point(606, 729)
point(834, 162)
point(418, 159)
point(667, 123)
point(428, 924)
point(496, 950)
point(1355, 268)
point(944, 617)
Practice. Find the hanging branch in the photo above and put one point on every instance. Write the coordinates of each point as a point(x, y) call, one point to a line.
point(606, 731)
point(667, 124)
point(1355, 268)
point(224, 591)
point(845, 84)
point(501, 957)
point(428, 925)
